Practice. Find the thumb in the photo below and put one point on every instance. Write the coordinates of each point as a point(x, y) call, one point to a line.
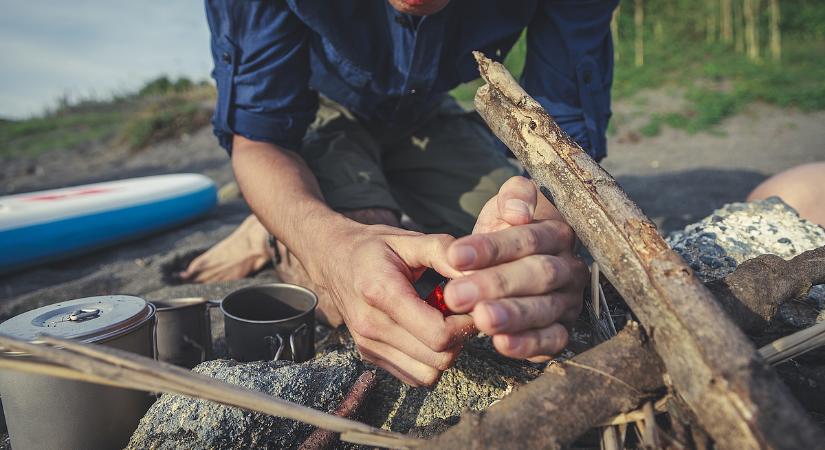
point(517, 201)
point(425, 250)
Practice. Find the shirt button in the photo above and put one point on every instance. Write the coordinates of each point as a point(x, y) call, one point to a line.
point(226, 58)
point(412, 91)
point(400, 21)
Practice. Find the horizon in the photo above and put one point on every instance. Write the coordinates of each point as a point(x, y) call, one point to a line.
point(95, 49)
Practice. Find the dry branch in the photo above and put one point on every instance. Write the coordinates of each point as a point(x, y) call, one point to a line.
point(103, 365)
point(321, 439)
point(739, 400)
point(753, 293)
point(555, 409)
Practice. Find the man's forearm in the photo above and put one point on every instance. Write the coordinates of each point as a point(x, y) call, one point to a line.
point(284, 195)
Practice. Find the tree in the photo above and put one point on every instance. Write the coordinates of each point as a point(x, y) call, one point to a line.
point(639, 21)
point(776, 37)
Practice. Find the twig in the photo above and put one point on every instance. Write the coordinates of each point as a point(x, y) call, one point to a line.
point(97, 364)
point(795, 344)
point(322, 439)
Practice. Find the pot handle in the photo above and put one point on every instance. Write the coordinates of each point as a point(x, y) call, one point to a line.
point(277, 344)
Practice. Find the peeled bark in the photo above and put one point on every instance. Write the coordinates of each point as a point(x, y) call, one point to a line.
point(739, 400)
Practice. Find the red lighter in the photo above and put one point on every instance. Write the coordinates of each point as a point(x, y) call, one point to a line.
point(430, 287)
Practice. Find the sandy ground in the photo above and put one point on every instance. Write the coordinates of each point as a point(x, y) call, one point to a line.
point(675, 177)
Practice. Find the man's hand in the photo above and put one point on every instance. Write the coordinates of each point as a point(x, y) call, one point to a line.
point(369, 271)
point(522, 280)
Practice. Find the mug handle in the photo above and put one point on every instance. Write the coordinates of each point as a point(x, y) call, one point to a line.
point(276, 351)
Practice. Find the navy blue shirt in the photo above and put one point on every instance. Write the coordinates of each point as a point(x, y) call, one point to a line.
point(273, 57)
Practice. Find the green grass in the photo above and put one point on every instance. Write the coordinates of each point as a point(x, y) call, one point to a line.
point(161, 109)
point(718, 82)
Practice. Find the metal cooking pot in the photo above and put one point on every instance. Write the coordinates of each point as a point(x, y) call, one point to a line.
point(45, 412)
point(270, 321)
point(183, 332)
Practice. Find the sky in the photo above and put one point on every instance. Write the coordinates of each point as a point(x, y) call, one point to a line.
point(95, 48)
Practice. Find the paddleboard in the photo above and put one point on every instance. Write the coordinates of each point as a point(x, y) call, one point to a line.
point(45, 226)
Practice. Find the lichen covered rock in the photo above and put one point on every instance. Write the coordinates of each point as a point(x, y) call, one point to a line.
point(176, 421)
point(714, 246)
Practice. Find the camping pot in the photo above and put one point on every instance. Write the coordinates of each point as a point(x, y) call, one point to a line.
point(184, 337)
point(270, 321)
point(45, 412)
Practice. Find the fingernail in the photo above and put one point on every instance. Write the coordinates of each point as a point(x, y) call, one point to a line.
point(464, 255)
point(466, 292)
point(516, 206)
point(498, 315)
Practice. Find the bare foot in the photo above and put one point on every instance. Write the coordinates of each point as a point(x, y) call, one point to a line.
point(241, 254)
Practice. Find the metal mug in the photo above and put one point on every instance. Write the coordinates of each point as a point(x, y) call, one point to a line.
point(184, 337)
point(270, 321)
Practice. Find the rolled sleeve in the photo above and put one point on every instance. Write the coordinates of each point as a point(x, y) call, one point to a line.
point(261, 55)
point(569, 67)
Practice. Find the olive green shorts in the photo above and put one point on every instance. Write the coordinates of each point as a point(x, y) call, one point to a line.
point(441, 173)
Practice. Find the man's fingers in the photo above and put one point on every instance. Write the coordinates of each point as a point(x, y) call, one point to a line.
point(379, 327)
point(425, 250)
point(531, 275)
point(517, 199)
point(512, 315)
point(415, 373)
point(478, 251)
point(394, 295)
point(532, 343)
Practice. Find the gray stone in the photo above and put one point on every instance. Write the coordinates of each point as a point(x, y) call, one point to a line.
point(180, 422)
point(737, 232)
point(480, 377)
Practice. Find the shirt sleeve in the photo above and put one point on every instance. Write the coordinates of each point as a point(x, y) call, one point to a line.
point(261, 55)
point(569, 67)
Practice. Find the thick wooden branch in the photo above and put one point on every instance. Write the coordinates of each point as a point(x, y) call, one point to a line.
point(737, 397)
point(753, 293)
point(552, 411)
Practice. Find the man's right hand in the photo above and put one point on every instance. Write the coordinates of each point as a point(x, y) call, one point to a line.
point(368, 271)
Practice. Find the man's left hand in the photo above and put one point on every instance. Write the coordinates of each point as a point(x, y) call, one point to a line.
point(523, 282)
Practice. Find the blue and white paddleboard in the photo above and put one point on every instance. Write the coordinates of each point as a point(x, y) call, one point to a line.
point(43, 226)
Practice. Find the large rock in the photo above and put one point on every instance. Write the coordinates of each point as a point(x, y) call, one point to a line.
point(714, 246)
point(181, 422)
point(479, 378)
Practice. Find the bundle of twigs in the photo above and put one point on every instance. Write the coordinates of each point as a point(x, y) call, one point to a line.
point(102, 365)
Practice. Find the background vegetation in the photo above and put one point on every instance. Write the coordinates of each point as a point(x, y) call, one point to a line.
point(711, 58)
point(717, 55)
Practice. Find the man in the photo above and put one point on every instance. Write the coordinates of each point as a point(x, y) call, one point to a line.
point(329, 175)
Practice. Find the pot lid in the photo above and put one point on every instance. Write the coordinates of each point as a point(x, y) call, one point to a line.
point(91, 319)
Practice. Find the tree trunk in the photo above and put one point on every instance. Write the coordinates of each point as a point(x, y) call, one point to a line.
point(738, 26)
point(776, 37)
point(727, 21)
point(752, 29)
point(639, 33)
point(738, 398)
point(711, 12)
